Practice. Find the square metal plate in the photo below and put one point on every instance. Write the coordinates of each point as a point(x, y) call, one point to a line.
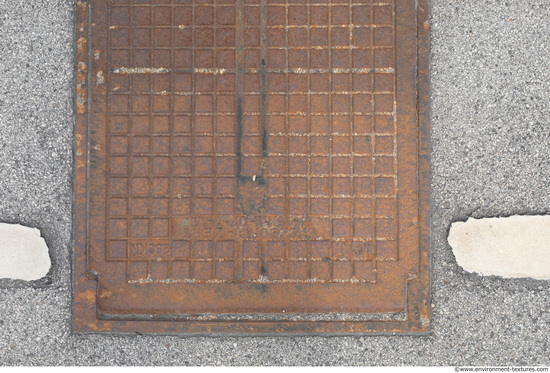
point(252, 166)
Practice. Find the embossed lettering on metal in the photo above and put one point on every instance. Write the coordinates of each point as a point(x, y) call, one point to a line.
point(252, 166)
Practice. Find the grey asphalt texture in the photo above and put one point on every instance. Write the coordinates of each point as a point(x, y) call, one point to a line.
point(490, 86)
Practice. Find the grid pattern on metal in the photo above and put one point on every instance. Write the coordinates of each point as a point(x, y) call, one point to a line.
point(326, 225)
point(251, 141)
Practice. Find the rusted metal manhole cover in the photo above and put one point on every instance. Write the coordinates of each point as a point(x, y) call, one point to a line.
point(251, 166)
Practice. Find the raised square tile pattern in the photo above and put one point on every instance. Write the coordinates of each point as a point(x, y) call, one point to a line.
point(255, 154)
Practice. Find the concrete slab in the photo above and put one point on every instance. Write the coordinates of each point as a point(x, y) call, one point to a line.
point(23, 253)
point(516, 246)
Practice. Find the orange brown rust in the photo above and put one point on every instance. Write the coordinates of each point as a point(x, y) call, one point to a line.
point(252, 166)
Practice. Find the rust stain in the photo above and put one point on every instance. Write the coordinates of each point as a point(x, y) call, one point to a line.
point(88, 296)
point(271, 161)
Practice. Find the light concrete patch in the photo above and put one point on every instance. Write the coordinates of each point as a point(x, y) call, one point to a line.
point(24, 254)
point(516, 246)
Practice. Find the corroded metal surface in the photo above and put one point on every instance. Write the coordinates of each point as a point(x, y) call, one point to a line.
point(251, 166)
